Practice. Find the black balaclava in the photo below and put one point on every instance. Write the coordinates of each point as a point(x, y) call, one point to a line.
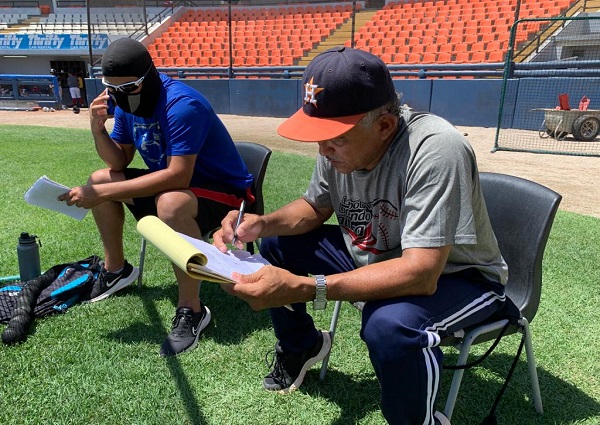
point(126, 57)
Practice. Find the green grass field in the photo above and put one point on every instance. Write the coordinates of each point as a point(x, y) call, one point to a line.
point(99, 363)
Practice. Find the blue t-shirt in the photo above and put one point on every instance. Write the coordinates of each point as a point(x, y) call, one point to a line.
point(184, 123)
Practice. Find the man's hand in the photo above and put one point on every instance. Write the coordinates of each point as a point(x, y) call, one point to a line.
point(270, 287)
point(98, 112)
point(249, 230)
point(81, 196)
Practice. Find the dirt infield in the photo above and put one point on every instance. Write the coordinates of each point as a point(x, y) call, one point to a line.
point(576, 178)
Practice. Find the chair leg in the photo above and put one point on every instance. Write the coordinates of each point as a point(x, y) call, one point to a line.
point(532, 366)
point(334, 320)
point(465, 346)
point(142, 259)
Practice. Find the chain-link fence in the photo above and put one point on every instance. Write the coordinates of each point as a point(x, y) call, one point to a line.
point(551, 90)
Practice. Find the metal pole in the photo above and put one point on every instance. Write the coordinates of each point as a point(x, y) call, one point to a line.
point(145, 17)
point(230, 42)
point(89, 32)
point(353, 22)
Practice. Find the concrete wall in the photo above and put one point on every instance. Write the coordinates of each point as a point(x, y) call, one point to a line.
point(471, 102)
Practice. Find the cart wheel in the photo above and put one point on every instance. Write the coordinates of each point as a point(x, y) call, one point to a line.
point(586, 128)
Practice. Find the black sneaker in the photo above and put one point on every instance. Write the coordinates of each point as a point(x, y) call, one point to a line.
point(186, 329)
point(289, 368)
point(108, 283)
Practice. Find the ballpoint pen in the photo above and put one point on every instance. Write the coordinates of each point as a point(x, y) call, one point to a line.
point(233, 241)
point(239, 220)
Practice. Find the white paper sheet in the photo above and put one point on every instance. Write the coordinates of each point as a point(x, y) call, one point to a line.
point(226, 263)
point(44, 193)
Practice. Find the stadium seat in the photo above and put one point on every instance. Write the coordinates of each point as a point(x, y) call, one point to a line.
point(478, 47)
point(461, 57)
point(446, 48)
point(399, 58)
point(429, 58)
point(496, 56)
point(431, 48)
point(478, 57)
point(492, 46)
point(444, 57)
point(413, 58)
point(459, 48)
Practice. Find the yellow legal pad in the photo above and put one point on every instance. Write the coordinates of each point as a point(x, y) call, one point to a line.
point(199, 259)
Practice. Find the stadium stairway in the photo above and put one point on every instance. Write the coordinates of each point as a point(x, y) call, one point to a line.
point(341, 36)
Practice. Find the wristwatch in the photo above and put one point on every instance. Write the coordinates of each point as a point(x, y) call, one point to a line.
point(320, 301)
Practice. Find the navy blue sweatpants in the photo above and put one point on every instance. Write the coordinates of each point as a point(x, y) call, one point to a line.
point(402, 334)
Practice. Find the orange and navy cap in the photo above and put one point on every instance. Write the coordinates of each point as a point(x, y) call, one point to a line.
point(340, 86)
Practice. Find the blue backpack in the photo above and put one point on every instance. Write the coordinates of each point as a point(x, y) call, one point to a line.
point(55, 291)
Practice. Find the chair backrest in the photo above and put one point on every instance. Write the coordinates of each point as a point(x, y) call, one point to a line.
point(256, 157)
point(521, 213)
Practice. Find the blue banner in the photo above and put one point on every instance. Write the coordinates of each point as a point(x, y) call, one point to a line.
point(52, 41)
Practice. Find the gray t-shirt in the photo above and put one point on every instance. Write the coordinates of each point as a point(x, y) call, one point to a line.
point(72, 81)
point(424, 193)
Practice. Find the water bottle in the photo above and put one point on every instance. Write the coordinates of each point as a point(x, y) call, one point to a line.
point(28, 254)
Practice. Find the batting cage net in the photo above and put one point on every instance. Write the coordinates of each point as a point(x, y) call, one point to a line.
point(550, 99)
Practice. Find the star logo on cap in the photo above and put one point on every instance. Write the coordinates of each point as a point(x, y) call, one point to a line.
point(310, 92)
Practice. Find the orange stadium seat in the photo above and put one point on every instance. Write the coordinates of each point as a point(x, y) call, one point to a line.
point(446, 48)
point(389, 50)
point(413, 58)
point(496, 56)
point(429, 58)
point(487, 35)
point(478, 56)
point(493, 46)
point(470, 38)
point(461, 57)
point(387, 57)
point(459, 48)
point(431, 48)
point(444, 57)
point(399, 58)
point(377, 50)
point(478, 47)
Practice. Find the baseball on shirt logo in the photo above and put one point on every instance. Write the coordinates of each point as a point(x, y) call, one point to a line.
point(368, 223)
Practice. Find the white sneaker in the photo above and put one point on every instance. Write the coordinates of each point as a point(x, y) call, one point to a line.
point(441, 419)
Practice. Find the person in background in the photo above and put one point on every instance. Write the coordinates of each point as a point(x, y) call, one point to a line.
point(194, 173)
point(414, 239)
point(73, 83)
point(81, 85)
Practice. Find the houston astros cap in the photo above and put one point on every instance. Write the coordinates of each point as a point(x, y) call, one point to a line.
point(340, 86)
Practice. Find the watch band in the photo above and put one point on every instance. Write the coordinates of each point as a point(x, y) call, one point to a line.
point(320, 301)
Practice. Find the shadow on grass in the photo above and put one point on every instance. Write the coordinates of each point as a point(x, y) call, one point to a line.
point(355, 396)
point(563, 403)
point(157, 329)
point(232, 319)
point(238, 321)
point(153, 331)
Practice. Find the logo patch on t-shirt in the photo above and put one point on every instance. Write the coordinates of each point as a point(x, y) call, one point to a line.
point(369, 223)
